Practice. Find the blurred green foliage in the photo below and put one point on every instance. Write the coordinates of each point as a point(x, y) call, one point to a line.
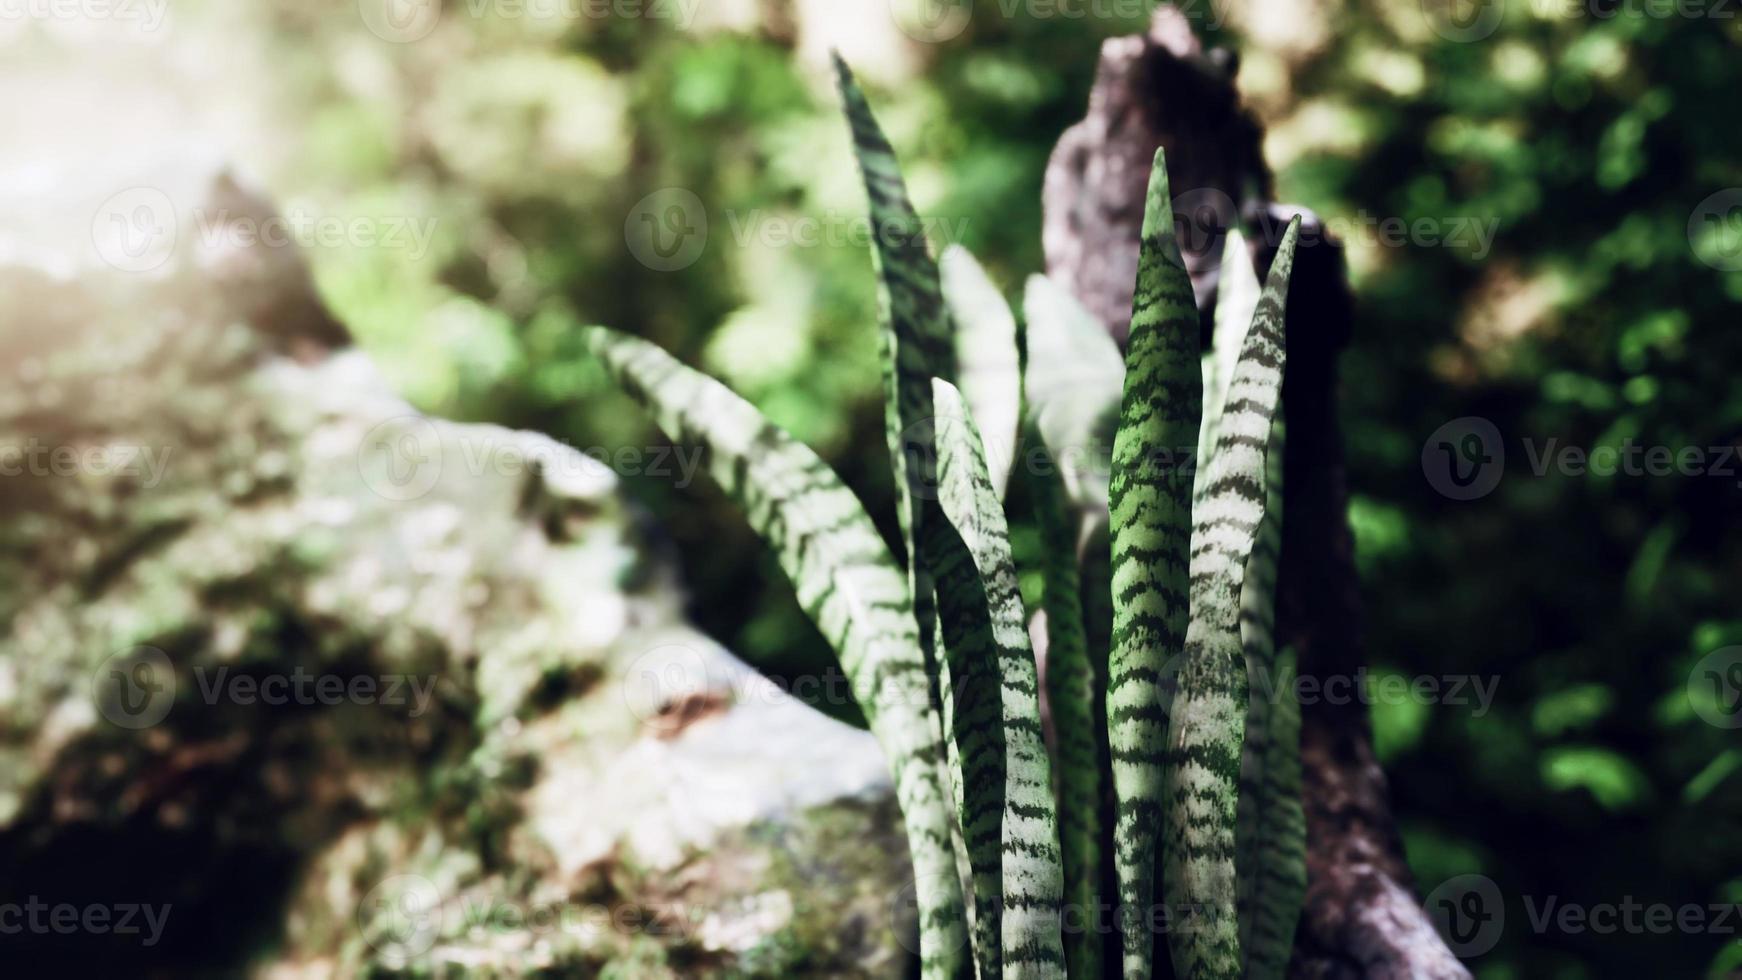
point(1589, 134)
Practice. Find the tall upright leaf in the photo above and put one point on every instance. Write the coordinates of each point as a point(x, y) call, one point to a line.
point(1151, 507)
point(917, 343)
point(848, 584)
point(1237, 292)
point(973, 728)
point(1070, 689)
point(1270, 837)
point(917, 336)
point(1277, 865)
point(1271, 863)
point(1032, 875)
point(1208, 717)
point(991, 375)
point(1258, 639)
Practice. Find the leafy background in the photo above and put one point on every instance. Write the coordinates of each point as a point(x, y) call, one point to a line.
point(1590, 134)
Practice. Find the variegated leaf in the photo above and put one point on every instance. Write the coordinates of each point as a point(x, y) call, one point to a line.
point(917, 343)
point(846, 581)
point(1032, 875)
point(1151, 512)
point(1207, 722)
point(1237, 293)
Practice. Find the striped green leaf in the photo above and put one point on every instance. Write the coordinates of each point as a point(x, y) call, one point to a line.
point(1236, 299)
point(847, 582)
point(1208, 717)
point(1072, 382)
point(1070, 689)
point(973, 731)
point(916, 338)
point(988, 603)
point(1274, 875)
point(1270, 839)
point(991, 378)
point(1151, 511)
point(918, 335)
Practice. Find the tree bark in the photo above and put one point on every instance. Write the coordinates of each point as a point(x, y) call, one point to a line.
point(1361, 917)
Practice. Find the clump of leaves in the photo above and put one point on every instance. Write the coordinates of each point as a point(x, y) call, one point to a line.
point(1006, 837)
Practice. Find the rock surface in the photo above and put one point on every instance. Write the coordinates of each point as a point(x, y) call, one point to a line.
point(337, 689)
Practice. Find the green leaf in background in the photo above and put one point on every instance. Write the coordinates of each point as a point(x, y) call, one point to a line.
point(1615, 781)
point(1070, 689)
point(1150, 500)
point(1208, 718)
point(1033, 878)
point(1072, 382)
point(991, 375)
point(847, 582)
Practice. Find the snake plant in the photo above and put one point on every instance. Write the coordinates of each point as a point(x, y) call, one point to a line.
point(1159, 579)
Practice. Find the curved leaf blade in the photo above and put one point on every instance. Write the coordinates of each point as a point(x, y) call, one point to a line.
point(847, 582)
point(917, 334)
point(916, 343)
